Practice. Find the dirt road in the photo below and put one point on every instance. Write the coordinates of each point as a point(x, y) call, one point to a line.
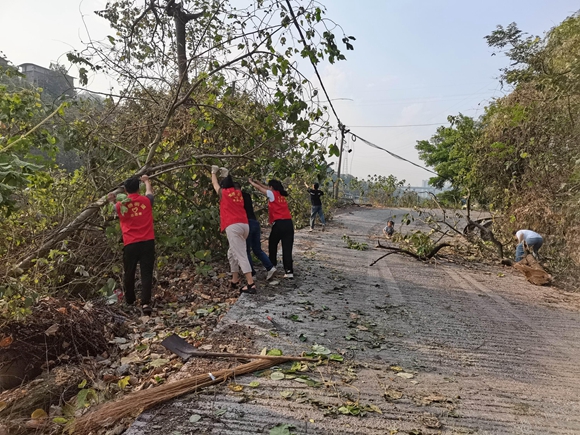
point(436, 348)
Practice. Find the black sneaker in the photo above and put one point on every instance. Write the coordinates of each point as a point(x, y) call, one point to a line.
point(250, 289)
point(146, 309)
point(128, 308)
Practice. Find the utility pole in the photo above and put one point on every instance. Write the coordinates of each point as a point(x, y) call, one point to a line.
point(343, 132)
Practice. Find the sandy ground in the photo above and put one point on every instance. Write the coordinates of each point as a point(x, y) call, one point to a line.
point(436, 348)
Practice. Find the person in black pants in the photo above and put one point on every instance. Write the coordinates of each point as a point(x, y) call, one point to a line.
point(316, 203)
point(282, 225)
point(254, 242)
point(136, 219)
point(142, 253)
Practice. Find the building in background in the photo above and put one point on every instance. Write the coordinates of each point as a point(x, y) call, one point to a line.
point(56, 83)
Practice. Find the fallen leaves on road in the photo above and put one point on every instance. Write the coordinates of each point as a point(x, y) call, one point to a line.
point(430, 421)
point(391, 394)
point(405, 375)
point(281, 429)
point(427, 400)
point(236, 388)
point(194, 418)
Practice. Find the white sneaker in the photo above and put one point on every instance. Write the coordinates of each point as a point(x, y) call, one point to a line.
point(271, 273)
point(310, 230)
point(289, 275)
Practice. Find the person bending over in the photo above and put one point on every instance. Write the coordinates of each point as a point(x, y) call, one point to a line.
point(530, 238)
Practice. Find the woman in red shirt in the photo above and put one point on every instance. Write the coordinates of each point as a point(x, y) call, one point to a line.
point(234, 221)
point(281, 220)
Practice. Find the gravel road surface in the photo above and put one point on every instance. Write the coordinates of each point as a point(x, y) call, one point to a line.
point(436, 348)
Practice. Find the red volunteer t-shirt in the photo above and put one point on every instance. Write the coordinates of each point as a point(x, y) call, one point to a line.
point(232, 209)
point(278, 209)
point(137, 220)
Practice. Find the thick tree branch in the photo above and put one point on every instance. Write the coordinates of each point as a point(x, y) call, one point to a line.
point(394, 250)
point(36, 127)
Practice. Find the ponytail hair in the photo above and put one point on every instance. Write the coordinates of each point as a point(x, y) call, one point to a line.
point(277, 186)
point(227, 182)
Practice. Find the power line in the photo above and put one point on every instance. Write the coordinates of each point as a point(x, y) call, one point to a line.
point(341, 125)
point(397, 126)
point(393, 154)
point(313, 64)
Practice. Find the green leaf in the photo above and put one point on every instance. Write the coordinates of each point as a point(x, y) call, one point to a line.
point(320, 350)
point(333, 150)
point(281, 429)
point(122, 383)
point(83, 383)
point(277, 376)
point(122, 197)
point(59, 420)
point(274, 352)
point(84, 398)
point(254, 384)
point(296, 365)
point(158, 362)
point(194, 418)
point(336, 357)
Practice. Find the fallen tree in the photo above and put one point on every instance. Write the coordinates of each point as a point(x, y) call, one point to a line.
point(425, 257)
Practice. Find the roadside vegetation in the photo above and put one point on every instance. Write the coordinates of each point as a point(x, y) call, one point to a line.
point(203, 83)
point(197, 83)
point(521, 159)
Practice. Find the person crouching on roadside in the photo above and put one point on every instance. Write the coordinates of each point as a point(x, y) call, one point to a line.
point(531, 239)
point(389, 230)
point(234, 222)
point(136, 219)
point(281, 221)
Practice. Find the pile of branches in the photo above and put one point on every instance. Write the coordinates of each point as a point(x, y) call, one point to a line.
point(58, 332)
point(446, 225)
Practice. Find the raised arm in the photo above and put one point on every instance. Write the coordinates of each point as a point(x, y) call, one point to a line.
point(214, 180)
point(261, 187)
point(147, 182)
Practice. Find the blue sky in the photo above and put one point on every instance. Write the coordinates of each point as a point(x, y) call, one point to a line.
point(415, 62)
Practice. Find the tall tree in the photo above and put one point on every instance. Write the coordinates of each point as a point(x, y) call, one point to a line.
point(449, 152)
point(180, 90)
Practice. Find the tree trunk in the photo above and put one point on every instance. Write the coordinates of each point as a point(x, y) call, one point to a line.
point(180, 22)
point(85, 216)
